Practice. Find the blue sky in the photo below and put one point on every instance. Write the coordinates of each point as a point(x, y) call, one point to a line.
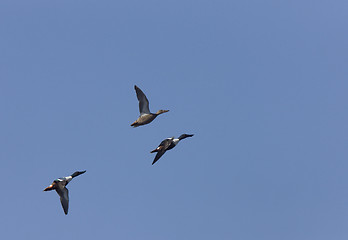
point(262, 85)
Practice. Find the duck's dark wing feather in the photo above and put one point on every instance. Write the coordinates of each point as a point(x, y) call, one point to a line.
point(143, 101)
point(162, 149)
point(64, 199)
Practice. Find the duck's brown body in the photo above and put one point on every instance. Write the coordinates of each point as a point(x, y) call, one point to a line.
point(145, 115)
point(147, 118)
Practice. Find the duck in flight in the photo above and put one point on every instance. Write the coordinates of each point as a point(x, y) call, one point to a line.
point(145, 115)
point(60, 186)
point(168, 144)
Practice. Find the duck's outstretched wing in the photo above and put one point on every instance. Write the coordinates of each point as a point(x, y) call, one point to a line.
point(64, 199)
point(162, 148)
point(143, 102)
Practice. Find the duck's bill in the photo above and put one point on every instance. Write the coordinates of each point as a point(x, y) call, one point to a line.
point(49, 188)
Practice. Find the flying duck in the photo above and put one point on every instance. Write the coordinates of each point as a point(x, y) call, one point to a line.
point(59, 185)
point(145, 115)
point(168, 144)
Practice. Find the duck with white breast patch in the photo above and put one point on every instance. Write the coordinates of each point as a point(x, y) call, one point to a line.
point(168, 144)
point(60, 186)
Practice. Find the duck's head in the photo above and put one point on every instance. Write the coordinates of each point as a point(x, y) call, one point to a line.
point(182, 136)
point(161, 111)
point(50, 187)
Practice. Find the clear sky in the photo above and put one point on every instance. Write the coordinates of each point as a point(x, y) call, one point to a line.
point(262, 85)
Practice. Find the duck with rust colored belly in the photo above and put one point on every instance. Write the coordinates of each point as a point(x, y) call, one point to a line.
point(145, 115)
point(60, 186)
point(168, 144)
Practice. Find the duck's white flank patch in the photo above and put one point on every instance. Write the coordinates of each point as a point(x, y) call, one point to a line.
point(176, 141)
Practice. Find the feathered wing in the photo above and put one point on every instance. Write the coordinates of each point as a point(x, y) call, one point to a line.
point(64, 199)
point(162, 149)
point(143, 101)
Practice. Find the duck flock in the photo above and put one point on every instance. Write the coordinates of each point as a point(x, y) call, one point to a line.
point(145, 117)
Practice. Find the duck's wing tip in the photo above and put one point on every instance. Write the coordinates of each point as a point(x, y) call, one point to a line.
point(158, 155)
point(64, 200)
point(143, 101)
